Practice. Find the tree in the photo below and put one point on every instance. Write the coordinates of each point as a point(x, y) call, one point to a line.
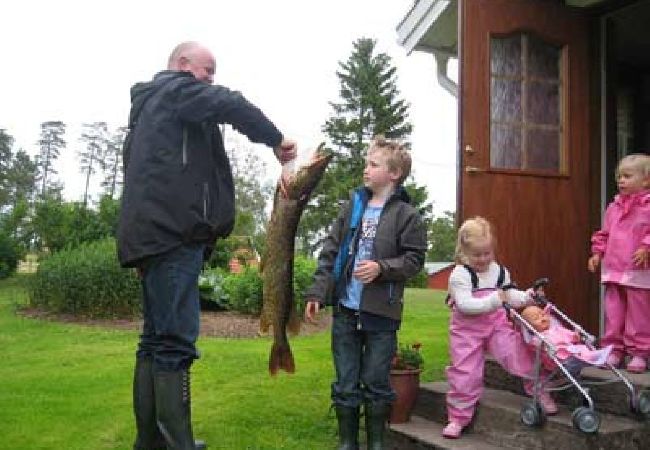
point(369, 106)
point(95, 137)
point(21, 177)
point(51, 142)
point(112, 162)
point(442, 237)
point(6, 144)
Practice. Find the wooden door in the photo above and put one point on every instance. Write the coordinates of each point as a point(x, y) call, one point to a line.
point(524, 142)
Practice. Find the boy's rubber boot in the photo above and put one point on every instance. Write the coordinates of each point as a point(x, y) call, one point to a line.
point(348, 419)
point(173, 410)
point(148, 435)
point(376, 417)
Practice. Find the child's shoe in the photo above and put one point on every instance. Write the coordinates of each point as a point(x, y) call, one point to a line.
point(636, 365)
point(615, 359)
point(452, 430)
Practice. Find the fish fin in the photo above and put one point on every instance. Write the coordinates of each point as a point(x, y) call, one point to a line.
point(281, 358)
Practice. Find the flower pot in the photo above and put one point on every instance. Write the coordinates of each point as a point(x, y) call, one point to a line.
point(406, 384)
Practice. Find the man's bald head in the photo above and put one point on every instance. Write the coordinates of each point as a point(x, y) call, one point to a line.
point(195, 58)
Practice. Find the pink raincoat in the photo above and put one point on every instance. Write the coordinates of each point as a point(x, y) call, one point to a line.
point(626, 228)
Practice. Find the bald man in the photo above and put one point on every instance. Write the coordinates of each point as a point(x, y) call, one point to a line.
point(178, 199)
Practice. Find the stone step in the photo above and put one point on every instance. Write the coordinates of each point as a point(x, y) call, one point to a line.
point(497, 420)
point(613, 397)
point(421, 434)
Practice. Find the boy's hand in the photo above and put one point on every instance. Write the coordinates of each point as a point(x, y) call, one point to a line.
point(286, 151)
point(502, 296)
point(366, 271)
point(593, 263)
point(311, 310)
point(641, 257)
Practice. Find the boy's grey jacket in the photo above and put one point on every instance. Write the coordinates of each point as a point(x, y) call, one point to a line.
point(178, 183)
point(399, 248)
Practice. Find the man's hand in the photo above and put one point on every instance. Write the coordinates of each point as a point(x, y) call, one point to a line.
point(366, 271)
point(593, 263)
point(286, 151)
point(311, 310)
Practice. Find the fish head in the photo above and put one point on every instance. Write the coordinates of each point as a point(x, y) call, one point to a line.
point(300, 185)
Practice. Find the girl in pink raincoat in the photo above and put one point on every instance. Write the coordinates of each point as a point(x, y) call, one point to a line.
point(479, 324)
point(623, 245)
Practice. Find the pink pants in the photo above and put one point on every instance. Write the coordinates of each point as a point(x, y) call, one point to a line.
point(627, 320)
point(469, 338)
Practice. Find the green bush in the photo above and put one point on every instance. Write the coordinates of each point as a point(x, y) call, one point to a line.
point(8, 256)
point(211, 287)
point(243, 291)
point(86, 281)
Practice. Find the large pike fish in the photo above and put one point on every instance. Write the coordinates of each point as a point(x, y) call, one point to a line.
point(278, 307)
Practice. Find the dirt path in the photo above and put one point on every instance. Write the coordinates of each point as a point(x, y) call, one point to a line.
point(213, 323)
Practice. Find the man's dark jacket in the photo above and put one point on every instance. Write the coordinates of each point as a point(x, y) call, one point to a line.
point(178, 185)
point(399, 249)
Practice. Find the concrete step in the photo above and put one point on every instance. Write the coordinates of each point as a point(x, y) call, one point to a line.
point(421, 434)
point(613, 397)
point(497, 420)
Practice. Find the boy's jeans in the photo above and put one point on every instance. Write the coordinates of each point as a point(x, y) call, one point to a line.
point(170, 306)
point(362, 361)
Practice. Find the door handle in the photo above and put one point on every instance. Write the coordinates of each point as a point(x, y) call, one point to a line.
point(469, 149)
point(472, 169)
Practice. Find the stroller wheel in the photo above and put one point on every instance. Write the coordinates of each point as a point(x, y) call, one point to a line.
point(641, 404)
point(586, 420)
point(532, 414)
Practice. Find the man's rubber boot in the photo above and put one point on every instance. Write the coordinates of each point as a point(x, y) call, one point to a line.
point(148, 435)
point(376, 416)
point(348, 419)
point(173, 410)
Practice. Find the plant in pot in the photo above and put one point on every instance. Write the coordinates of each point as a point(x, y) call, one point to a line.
point(405, 380)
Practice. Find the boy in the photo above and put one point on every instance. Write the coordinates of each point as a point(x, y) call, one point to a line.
point(376, 244)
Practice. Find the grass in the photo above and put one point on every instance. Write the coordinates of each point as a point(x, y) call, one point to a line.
point(68, 386)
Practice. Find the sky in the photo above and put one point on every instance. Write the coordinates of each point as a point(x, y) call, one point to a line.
point(75, 62)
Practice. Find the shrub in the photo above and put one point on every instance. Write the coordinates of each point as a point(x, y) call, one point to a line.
point(86, 281)
point(211, 287)
point(244, 291)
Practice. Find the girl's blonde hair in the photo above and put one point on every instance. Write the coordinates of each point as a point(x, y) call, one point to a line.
point(470, 232)
point(638, 162)
point(397, 154)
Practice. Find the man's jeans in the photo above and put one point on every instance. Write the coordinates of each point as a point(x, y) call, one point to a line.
point(171, 309)
point(362, 361)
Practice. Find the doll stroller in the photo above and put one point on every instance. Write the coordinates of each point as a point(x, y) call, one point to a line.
point(565, 376)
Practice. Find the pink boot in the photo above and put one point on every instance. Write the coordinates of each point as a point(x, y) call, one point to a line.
point(636, 365)
point(452, 430)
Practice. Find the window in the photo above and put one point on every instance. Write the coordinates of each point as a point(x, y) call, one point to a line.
point(526, 92)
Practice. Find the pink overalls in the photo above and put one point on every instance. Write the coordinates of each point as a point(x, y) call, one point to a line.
point(626, 228)
point(472, 335)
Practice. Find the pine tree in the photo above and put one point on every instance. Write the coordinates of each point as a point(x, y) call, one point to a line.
point(112, 163)
point(95, 137)
point(369, 105)
point(50, 143)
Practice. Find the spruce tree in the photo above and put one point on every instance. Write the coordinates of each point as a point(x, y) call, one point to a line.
point(369, 105)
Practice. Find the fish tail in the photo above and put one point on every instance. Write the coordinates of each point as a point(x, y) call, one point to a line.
point(281, 358)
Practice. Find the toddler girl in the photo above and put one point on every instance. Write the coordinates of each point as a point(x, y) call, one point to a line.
point(623, 245)
point(479, 323)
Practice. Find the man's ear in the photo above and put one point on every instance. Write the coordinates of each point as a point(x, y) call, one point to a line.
point(395, 174)
point(183, 63)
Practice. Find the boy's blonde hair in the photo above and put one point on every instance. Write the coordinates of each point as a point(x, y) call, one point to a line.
point(471, 231)
point(638, 162)
point(397, 154)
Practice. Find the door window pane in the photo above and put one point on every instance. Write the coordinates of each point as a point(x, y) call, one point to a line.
point(526, 104)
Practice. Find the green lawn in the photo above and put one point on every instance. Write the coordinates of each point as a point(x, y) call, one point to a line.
point(68, 387)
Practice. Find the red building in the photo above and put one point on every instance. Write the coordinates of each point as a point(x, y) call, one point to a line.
point(438, 274)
